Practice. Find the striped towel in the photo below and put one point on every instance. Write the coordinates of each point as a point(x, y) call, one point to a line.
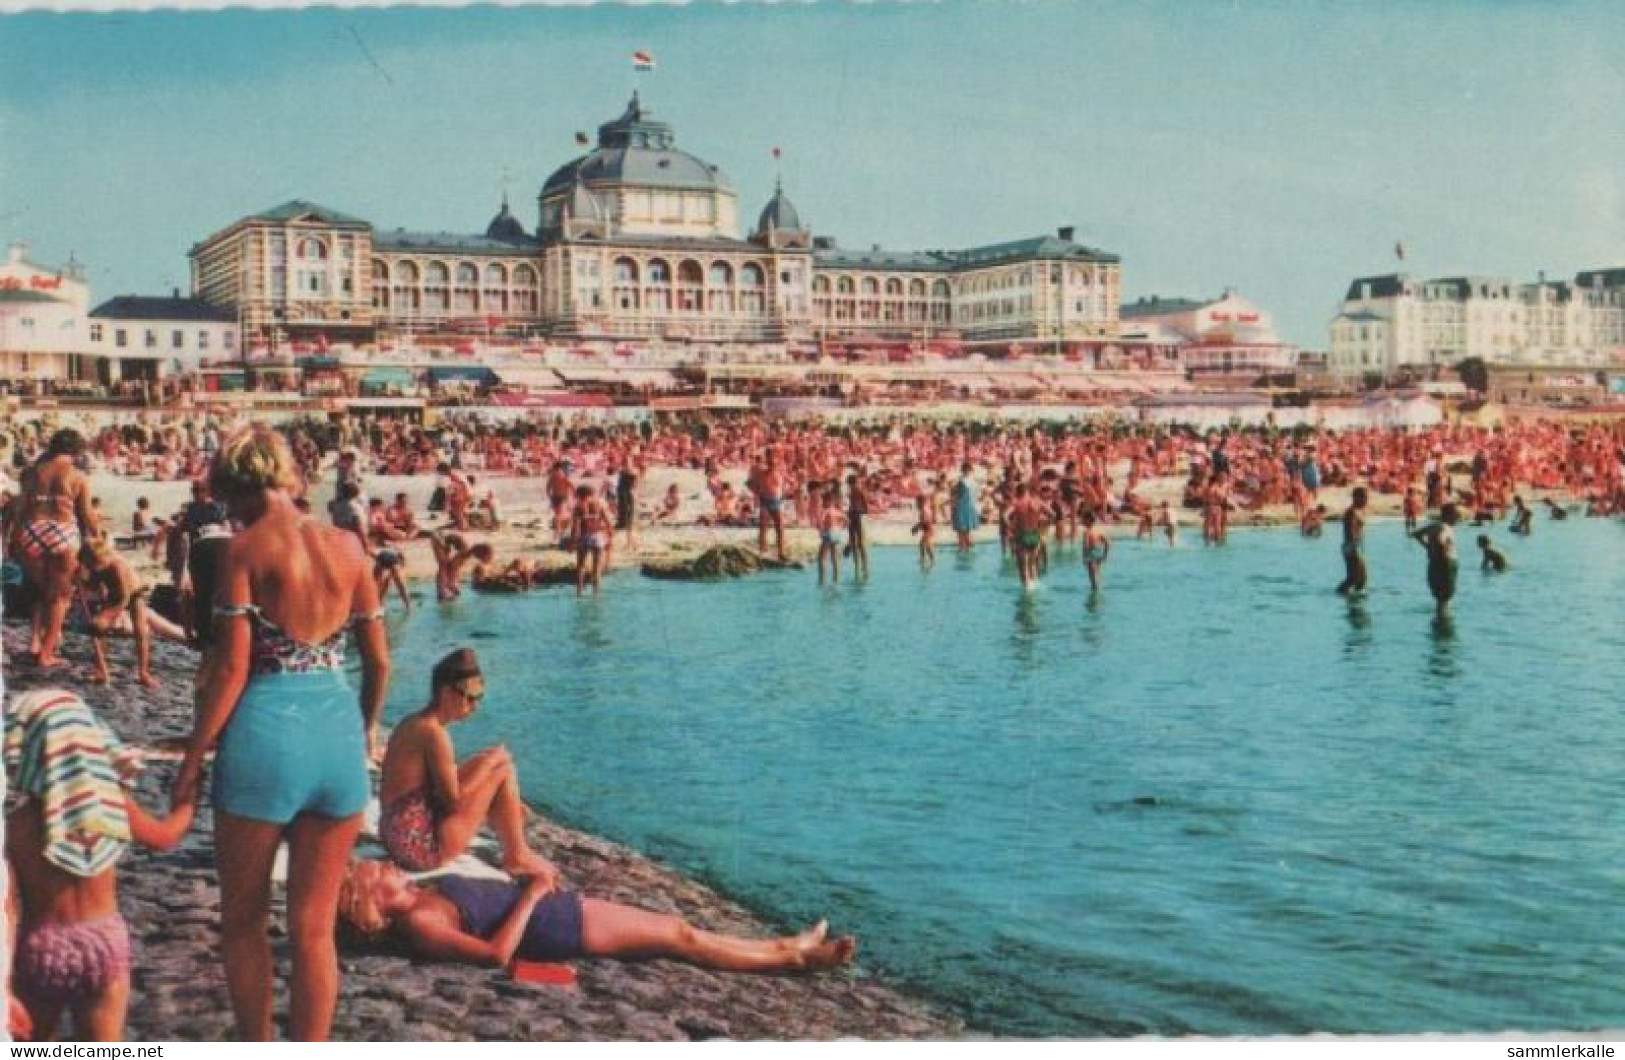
point(58, 751)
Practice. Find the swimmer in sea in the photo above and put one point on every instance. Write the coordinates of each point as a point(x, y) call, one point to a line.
point(926, 527)
point(1440, 541)
point(451, 553)
point(1412, 508)
point(1096, 548)
point(1495, 560)
point(1026, 521)
point(1354, 572)
point(1169, 523)
point(1523, 520)
point(830, 520)
point(1314, 519)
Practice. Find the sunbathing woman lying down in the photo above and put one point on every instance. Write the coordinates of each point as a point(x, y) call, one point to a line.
point(493, 922)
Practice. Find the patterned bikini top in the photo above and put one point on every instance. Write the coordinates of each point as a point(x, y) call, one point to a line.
point(273, 651)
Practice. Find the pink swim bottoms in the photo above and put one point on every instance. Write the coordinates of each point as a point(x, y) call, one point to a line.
point(73, 962)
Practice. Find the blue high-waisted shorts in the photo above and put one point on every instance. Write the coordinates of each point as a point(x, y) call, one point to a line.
point(295, 745)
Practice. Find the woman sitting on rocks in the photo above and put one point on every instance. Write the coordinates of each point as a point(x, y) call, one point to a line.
point(492, 922)
point(432, 805)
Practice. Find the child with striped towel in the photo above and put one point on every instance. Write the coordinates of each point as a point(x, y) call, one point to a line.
point(68, 821)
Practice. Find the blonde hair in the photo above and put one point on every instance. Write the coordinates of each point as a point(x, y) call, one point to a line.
point(357, 906)
point(251, 459)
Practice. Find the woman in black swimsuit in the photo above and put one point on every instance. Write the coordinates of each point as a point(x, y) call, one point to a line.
point(492, 922)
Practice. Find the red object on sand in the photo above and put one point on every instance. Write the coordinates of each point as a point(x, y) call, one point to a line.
point(544, 973)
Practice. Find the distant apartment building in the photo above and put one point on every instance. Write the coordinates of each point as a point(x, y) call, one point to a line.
point(1392, 323)
point(1226, 338)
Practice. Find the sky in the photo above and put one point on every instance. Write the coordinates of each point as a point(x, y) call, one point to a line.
point(1279, 149)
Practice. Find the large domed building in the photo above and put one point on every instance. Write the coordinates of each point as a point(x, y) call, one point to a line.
point(638, 182)
point(638, 240)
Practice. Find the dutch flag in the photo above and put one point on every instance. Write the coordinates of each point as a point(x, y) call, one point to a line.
point(643, 61)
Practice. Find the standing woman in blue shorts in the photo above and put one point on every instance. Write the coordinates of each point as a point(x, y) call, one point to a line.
point(291, 741)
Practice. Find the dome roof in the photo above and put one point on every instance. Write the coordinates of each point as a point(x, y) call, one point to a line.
point(633, 149)
point(583, 204)
point(779, 213)
point(505, 226)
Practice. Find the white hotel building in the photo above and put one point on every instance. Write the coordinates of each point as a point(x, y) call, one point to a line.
point(639, 242)
point(1395, 322)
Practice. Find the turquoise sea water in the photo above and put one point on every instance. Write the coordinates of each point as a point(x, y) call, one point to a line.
point(1215, 799)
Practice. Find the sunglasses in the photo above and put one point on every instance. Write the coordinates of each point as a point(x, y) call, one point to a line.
point(472, 697)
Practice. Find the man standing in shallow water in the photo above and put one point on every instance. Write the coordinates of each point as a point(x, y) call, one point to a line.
point(1354, 572)
point(1440, 541)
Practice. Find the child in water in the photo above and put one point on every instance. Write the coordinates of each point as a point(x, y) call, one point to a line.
point(926, 527)
point(451, 554)
point(1096, 547)
point(830, 520)
point(1495, 560)
point(1169, 523)
point(1314, 519)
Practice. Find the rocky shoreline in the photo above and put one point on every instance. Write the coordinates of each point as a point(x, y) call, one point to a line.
point(172, 904)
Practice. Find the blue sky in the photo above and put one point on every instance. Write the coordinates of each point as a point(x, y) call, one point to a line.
point(1278, 148)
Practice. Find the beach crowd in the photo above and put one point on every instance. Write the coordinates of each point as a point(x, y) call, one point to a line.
point(273, 594)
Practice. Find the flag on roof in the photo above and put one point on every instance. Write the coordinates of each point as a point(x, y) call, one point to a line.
point(581, 139)
point(1399, 251)
point(775, 152)
point(643, 60)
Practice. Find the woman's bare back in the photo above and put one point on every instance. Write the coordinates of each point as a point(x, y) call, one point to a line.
point(302, 576)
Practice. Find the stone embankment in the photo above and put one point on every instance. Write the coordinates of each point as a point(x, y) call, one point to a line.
point(172, 903)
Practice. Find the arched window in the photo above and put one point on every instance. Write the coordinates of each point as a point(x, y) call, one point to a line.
point(894, 287)
point(722, 275)
point(939, 289)
point(626, 271)
point(467, 274)
point(311, 249)
point(495, 275)
point(524, 276)
point(689, 272)
point(409, 272)
point(870, 286)
point(844, 285)
point(821, 285)
point(751, 280)
point(916, 288)
point(659, 272)
point(380, 270)
point(436, 273)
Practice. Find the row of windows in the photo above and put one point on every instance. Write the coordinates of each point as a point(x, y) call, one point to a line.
point(149, 338)
point(439, 300)
point(871, 286)
point(439, 273)
point(308, 248)
point(658, 273)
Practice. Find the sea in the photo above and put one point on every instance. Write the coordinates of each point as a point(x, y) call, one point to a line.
point(1213, 798)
